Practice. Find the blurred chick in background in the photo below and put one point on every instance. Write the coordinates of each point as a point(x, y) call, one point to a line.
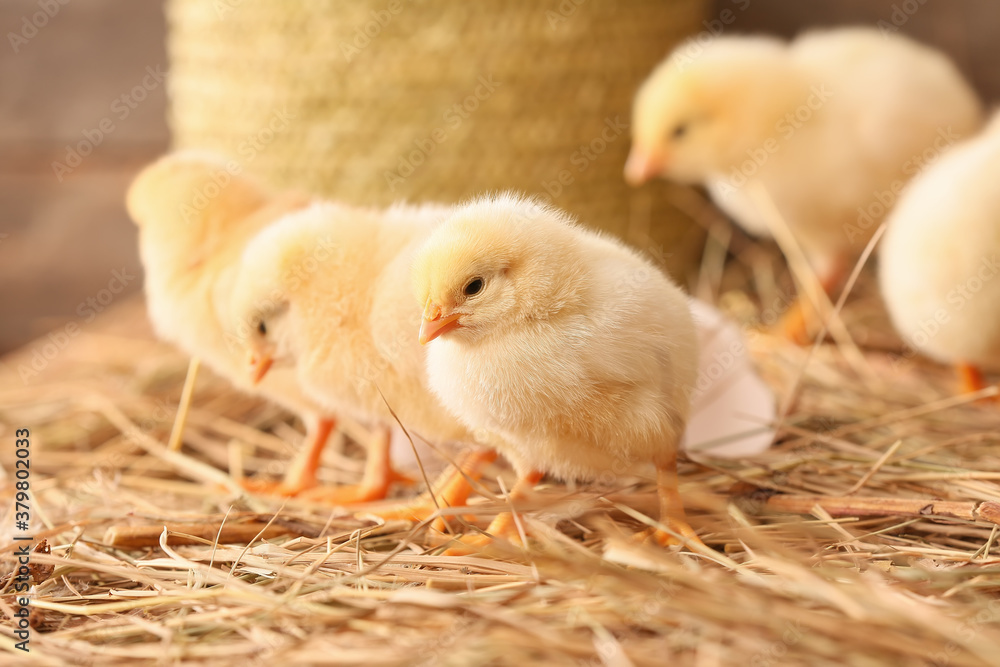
point(195, 217)
point(830, 126)
point(568, 351)
point(321, 295)
point(939, 268)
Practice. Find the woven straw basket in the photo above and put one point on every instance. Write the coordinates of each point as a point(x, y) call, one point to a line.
point(376, 101)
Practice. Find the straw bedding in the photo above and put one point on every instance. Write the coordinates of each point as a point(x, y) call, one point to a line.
point(866, 536)
point(154, 561)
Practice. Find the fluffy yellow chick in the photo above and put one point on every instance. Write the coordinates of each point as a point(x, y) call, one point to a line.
point(195, 215)
point(318, 295)
point(939, 268)
point(831, 126)
point(570, 352)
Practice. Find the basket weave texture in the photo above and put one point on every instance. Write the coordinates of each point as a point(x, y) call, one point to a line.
point(372, 102)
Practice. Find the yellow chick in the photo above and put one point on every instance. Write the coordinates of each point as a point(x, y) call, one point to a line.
point(939, 268)
point(573, 355)
point(318, 295)
point(195, 214)
point(831, 126)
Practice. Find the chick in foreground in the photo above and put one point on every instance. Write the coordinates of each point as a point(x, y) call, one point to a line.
point(195, 216)
point(831, 126)
point(940, 260)
point(573, 355)
point(318, 296)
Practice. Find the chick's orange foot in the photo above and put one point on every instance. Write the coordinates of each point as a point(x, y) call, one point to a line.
point(503, 527)
point(797, 324)
point(301, 474)
point(672, 514)
point(423, 508)
point(266, 487)
point(669, 538)
point(348, 494)
point(378, 478)
point(379, 475)
point(801, 322)
point(971, 380)
point(351, 494)
point(452, 489)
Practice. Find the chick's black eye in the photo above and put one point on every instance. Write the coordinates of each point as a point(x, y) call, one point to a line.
point(262, 328)
point(474, 286)
point(679, 131)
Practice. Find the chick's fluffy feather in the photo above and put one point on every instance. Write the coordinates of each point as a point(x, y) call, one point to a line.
point(940, 257)
point(195, 216)
point(824, 124)
point(578, 355)
point(329, 283)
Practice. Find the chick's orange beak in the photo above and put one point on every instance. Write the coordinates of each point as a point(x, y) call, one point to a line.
point(642, 166)
point(434, 324)
point(259, 364)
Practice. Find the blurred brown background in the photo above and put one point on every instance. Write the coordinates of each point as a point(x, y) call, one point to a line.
point(64, 239)
point(88, 65)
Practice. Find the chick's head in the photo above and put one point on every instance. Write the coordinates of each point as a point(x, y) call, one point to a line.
point(186, 202)
point(705, 105)
point(277, 270)
point(497, 262)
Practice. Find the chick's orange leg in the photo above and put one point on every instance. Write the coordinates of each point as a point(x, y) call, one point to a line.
point(671, 510)
point(378, 476)
point(301, 474)
point(503, 526)
point(796, 323)
point(801, 318)
point(452, 489)
point(971, 380)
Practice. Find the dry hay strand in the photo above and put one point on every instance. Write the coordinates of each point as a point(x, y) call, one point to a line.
point(154, 560)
